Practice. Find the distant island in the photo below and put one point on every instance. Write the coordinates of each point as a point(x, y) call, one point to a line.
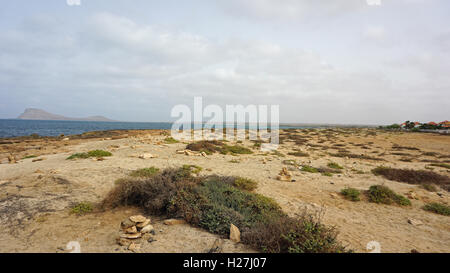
point(38, 114)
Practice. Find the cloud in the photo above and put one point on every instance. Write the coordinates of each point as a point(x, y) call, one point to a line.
point(114, 66)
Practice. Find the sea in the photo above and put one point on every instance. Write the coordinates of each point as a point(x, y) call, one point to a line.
point(20, 127)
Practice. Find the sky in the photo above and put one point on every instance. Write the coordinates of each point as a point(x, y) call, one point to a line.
point(321, 61)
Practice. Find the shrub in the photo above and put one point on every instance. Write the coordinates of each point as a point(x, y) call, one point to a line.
point(350, 155)
point(192, 169)
point(216, 202)
point(437, 208)
point(442, 165)
point(145, 172)
point(245, 184)
point(351, 194)
point(335, 166)
point(235, 149)
point(429, 187)
point(170, 140)
point(95, 153)
point(384, 195)
point(210, 147)
point(309, 169)
point(413, 177)
point(299, 154)
point(81, 208)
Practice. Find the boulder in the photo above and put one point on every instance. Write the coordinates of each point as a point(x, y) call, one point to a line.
point(235, 234)
point(138, 218)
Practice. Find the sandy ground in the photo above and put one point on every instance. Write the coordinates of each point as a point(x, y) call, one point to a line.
point(36, 196)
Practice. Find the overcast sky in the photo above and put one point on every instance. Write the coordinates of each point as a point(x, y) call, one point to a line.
point(322, 61)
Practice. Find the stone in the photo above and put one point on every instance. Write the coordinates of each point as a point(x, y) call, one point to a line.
point(188, 152)
point(134, 247)
point(11, 159)
point(131, 236)
point(146, 156)
point(123, 242)
point(38, 159)
point(235, 234)
point(172, 222)
point(131, 230)
point(147, 229)
point(66, 139)
point(204, 154)
point(415, 222)
point(138, 218)
point(180, 152)
point(127, 224)
point(143, 224)
point(412, 195)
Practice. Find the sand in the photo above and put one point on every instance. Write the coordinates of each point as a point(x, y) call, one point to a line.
point(36, 196)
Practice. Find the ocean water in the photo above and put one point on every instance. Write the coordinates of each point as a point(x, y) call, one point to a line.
point(18, 127)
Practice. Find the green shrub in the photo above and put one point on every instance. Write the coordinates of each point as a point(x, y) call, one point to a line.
point(95, 153)
point(145, 172)
point(437, 208)
point(81, 208)
point(309, 169)
point(245, 184)
point(235, 149)
point(216, 202)
point(29, 156)
point(335, 166)
point(192, 168)
point(170, 140)
point(351, 194)
point(384, 195)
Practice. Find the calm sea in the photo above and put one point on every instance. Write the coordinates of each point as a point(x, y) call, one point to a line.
point(18, 127)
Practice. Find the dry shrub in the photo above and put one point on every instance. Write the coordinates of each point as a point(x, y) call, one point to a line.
point(216, 202)
point(413, 177)
point(207, 146)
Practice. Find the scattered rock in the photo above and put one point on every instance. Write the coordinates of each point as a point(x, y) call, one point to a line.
point(143, 224)
point(123, 242)
point(134, 247)
point(172, 222)
point(131, 236)
point(415, 222)
point(127, 223)
point(147, 229)
point(38, 159)
point(66, 139)
point(204, 154)
point(138, 218)
point(147, 156)
point(131, 230)
point(235, 234)
point(284, 175)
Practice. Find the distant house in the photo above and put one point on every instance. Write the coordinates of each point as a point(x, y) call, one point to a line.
point(445, 124)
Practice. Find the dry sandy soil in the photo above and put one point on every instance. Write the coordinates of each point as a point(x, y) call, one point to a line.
point(36, 196)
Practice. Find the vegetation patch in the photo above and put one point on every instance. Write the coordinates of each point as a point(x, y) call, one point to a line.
point(95, 153)
point(419, 177)
point(145, 172)
point(442, 165)
point(309, 169)
point(384, 195)
point(299, 154)
point(335, 166)
point(170, 140)
point(81, 208)
point(359, 156)
point(438, 208)
point(215, 202)
point(213, 146)
point(351, 194)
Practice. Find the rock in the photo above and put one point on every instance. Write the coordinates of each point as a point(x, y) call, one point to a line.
point(131, 230)
point(131, 236)
point(204, 154)
point(38, 159)
point(146, 156)
point(284, 175)
point(147, 229)
point(11, 159)
point(123, 242)
point(66, 139)
point(235, 234)
point(412, 195)
point(180, 152)
point(38, 171)
point(138, 218)
point(127, 224)
point(415, 222)
point(188, 152)
point(143, 224)
point(134, 247)
point(172, 222)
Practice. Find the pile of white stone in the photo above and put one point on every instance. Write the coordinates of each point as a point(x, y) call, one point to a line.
point(133, 230)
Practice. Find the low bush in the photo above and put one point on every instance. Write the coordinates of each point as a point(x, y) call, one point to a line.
point(95, 153)
point(419, 177)
point(170, 140)
point(351, 194)
point(438, 208)
point(145, 172)
point(213, 146)
point(81, 208)
point(309, 169)
point(335, 166)
point(384, 195)
point(216, 202)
